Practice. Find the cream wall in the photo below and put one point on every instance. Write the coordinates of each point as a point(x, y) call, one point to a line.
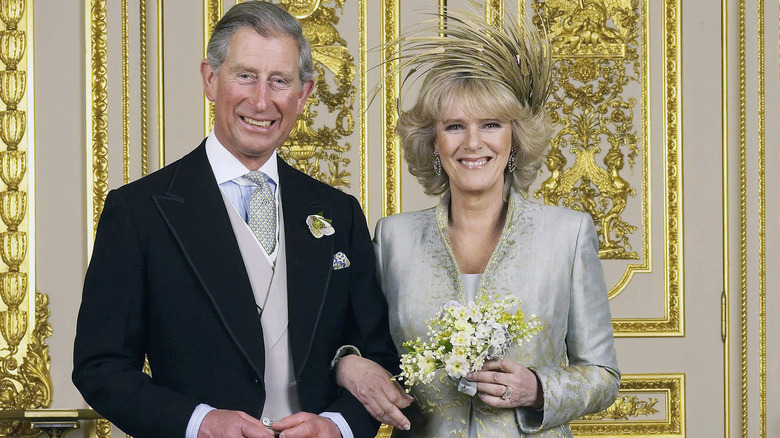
point(61, 122)
point(61, 181)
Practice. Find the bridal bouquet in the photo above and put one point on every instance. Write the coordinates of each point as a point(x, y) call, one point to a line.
point(463, 337)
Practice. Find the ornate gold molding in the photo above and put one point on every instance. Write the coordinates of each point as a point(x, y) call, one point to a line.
point(761, 222)
point(384, 432)
point(363, 66)
point(600, 47)
point(743, 262)
point(125, 94)
point(494, 11)
point(160, 85)
point(726, 294)
point(590, 105)
point(212, 12)
point(391, 147)
point(144, 85)
point(25, 381)
point(633, 412)
point(672, 323)
point(97, 114)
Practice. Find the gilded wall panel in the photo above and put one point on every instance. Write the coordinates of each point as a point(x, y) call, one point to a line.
point(25, 381)
point(601, 151)
point(647, 405)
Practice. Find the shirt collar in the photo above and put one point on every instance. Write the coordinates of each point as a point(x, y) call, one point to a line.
point(226, 167)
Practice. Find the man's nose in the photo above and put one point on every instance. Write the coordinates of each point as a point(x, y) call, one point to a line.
point(260, 96)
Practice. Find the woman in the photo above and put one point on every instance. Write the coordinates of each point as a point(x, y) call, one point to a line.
point(477, 136)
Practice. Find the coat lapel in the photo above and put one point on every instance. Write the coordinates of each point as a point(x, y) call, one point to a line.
point(309, 260)
point(195, 212)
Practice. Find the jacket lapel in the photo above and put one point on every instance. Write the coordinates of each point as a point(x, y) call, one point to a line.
point(195, 212)
point(309, 260)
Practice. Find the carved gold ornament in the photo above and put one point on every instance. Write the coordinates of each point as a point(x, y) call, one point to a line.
point(594, 44)
point(636, 411)
point(318, 151)
point(25, 382)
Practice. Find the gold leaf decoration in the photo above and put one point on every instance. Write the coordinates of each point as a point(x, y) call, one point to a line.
point(25, 380)
point(595, 48)
point(318, 151)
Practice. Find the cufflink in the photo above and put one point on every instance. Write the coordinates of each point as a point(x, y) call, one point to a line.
point(340, 261)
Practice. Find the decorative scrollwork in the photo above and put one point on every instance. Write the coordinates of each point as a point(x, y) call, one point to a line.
point(622, 418)
point(594, 44)
point(102, 428)
point(25, 381)
point(626, 407)
point(99, 107)
point(318, 151)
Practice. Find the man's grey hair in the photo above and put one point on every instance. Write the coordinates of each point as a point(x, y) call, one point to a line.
point(266, 19)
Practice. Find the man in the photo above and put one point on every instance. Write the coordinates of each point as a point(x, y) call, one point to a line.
point(209, 269)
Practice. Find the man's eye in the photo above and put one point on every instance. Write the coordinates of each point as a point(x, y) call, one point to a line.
point(280, 83)
point(245, 77)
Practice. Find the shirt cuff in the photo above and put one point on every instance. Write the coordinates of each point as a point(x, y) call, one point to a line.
point(193, 427)
point(337, 418)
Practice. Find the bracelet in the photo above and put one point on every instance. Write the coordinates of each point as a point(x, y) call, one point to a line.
point(344, 350)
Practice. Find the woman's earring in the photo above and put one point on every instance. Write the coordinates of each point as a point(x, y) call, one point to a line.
point(512, 164)
point(436, 162)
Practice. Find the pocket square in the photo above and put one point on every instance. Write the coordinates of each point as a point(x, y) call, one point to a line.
point(340, 261)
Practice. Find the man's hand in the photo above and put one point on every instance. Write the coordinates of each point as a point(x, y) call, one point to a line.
point(306, 425)
point(373, 386)
point(231, 424)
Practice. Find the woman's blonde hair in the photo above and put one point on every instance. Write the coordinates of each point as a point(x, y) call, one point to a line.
point(494, 70)
point(479, 98)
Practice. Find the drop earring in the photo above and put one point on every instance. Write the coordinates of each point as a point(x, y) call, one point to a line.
point(436, 162)
point(512, 163)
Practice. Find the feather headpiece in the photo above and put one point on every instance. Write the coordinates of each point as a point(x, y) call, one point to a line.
point(512, 53)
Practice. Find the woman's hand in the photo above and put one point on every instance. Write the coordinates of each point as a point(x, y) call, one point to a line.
point(375, 388)
point(504, 383)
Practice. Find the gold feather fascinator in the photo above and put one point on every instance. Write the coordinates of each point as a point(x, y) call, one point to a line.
point(513, 53)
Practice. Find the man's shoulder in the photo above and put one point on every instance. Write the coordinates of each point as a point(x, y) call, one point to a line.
point(298, 179)
point(159, 181)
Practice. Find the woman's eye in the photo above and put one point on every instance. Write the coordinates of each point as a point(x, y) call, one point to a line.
point(492, 125)
point(453, 127)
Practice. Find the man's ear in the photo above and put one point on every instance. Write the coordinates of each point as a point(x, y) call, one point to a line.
point(306, 90)
point(209, 80)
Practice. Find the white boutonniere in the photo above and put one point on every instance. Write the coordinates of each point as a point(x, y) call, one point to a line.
point(319, 226)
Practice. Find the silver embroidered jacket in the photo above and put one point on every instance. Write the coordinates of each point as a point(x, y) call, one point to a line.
point(547, 256)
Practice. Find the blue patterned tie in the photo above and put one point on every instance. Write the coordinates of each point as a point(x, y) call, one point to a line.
point(262, 210)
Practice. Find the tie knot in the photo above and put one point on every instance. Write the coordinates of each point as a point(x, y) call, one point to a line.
point(257, 177)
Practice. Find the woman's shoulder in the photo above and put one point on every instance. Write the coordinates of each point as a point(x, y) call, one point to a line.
point(400, 219)
point(554, 218)
point(402, 223)
point(553, 211)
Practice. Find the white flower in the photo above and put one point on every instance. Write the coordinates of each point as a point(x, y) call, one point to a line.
point(456, 366)
point(319, 226)
point(474, 313)
point(462, 325)
point(460, 339)
point(483, 331)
